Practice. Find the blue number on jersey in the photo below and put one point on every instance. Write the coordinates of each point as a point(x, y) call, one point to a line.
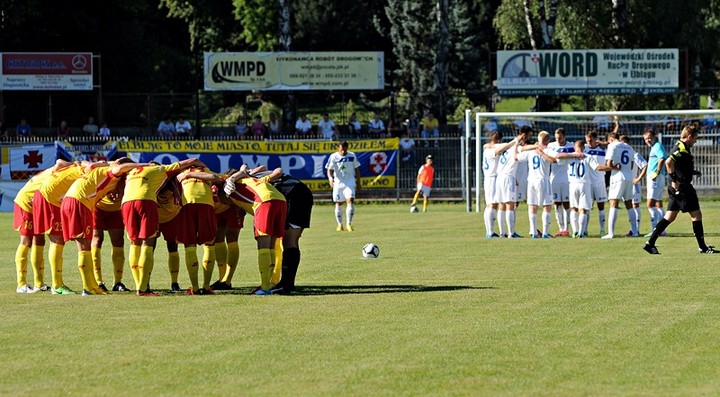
point(577, 169)
point(503, 158)
point(536, 162)
point(487, 164)
point(624, 158)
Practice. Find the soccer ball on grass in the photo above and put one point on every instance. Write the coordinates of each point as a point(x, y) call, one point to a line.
point(413, 209)
point(370, 251)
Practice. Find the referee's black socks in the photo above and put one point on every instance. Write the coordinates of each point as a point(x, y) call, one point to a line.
point(290, 263)
point(659, 228)
point(699, 234)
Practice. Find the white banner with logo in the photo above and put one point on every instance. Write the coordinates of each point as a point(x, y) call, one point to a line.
point(588, 72)
point(32, 157)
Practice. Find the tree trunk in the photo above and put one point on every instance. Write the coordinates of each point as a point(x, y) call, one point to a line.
point(441, 68)
point(528, 24)
point(286, 42)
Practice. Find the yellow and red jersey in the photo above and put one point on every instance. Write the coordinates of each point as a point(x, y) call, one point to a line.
point(58, 183)
point(168, 206)
point(144, 183)
point(93, 186)
point(426, 174)
point(109, 203)
point(196, 191)
point(250, 193)
point(220, 207)
point(25, 195)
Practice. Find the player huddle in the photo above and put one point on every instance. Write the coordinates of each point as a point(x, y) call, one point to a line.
point(569, 176)
point(184, 201)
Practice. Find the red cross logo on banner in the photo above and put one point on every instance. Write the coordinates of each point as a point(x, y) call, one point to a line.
point(33, 158)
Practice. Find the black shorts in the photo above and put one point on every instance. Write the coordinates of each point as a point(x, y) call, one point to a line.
point(299, 203)
point(684, 200)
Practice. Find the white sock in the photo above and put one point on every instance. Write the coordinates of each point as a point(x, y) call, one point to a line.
point(546, 216)
point(567, 217)
point(584, 223)
point(582, 220)
point(501, 222)
point(653, 217)
point(560, 216)
point(511, 222)
point(349, 212)
point(338, 214)
point(601, 217)
point(488, 224)
point(574, 222)
point(638, 217)
point(632, 217)
point(493, 218)
point(612, 221)
point(533, 222)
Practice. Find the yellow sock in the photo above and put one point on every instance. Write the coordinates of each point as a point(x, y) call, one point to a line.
point(208, 264)
point(174, 266)
point(55, 257)
point(277, 262)
point(38, 264)
point(97, 263)
point(85, 265)
point(425, 204)
point(21, 264)
point(147, 259)
point(264, 263)
point(118, 261)
point(221, 254)
point(232, 261)
point(415, 199)
point(191, 262)
point(134, 264)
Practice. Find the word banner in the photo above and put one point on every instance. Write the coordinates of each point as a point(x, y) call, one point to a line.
point(248, 71)
point(588, 72)
point(304, 160)
point(46, 71)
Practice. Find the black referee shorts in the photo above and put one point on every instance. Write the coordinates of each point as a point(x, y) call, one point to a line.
point(684, 199)
point(299, 203)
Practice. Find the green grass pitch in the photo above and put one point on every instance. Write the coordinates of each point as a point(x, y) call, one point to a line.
point(443, 311)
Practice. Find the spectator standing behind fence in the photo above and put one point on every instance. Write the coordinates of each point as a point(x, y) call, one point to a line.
point(104, 131)
point(241, 128)
point(376, 127)
point(183, 127)
point(396, 129)
point(23, 129)
point(430, 127)
point(166, 128)
point(326, 128)
point(90, 128)
point(257, 129)
point(303, 126)
point(63, 131)
point(407, 146)
point(273, 126)
point(413, 126)
point(354, 126)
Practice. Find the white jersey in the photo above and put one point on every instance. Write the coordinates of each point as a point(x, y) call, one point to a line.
point(559, 171)
point(578, 171)
point(508, 163)
point(490, 161)
point(343, 168)
point(599, 154)
point(538, 168)
point(623, 154)
point(638, 163)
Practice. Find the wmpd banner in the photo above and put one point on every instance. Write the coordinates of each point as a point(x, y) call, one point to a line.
point(303, 159)
point(588, 72)
point(247, 71)
point(46, 71)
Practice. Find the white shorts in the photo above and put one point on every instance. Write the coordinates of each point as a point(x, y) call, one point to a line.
point(599, 193)
point(560, 191)
point(620, 190)
point(581, 196)
point(342, 193)
point(538, 192)
point(655, 188)
point(521, 189)
point(424, 189)
point(506, 189)
point(637, 195)
point(489, 186)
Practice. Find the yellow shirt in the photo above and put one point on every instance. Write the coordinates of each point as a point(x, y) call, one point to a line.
point(144, 183)
point(59, 182)
point(251, 192)
point(430, 124)
point(25, 195)
point(196, 191)
point(92, 186)
point(168, 207)
point(109, 204)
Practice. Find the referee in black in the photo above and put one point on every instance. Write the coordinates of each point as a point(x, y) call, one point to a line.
point(681, 193)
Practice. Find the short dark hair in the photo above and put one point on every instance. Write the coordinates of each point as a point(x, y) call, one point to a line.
point(343, 144)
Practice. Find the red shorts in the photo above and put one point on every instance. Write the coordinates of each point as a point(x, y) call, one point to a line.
point(198, 224)
point(140, 218)
point(23, 221)
point(46, 217)
point(169, 229)
point(231, 218)
point(107, 220)
point(77, 220)
point(270, 219)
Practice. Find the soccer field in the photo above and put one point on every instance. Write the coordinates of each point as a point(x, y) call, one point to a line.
point(443, 311)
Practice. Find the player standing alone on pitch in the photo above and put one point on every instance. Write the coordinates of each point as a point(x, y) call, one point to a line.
point(343, 172)
point(681, 193)
point(424, 183)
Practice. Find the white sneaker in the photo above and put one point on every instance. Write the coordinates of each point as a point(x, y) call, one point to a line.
point(25, 289)
point(607, 236)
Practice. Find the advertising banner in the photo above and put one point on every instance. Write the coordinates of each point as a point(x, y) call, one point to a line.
point(588, 72)
point(50, 71)
point(303, 159)
point(248, 71)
